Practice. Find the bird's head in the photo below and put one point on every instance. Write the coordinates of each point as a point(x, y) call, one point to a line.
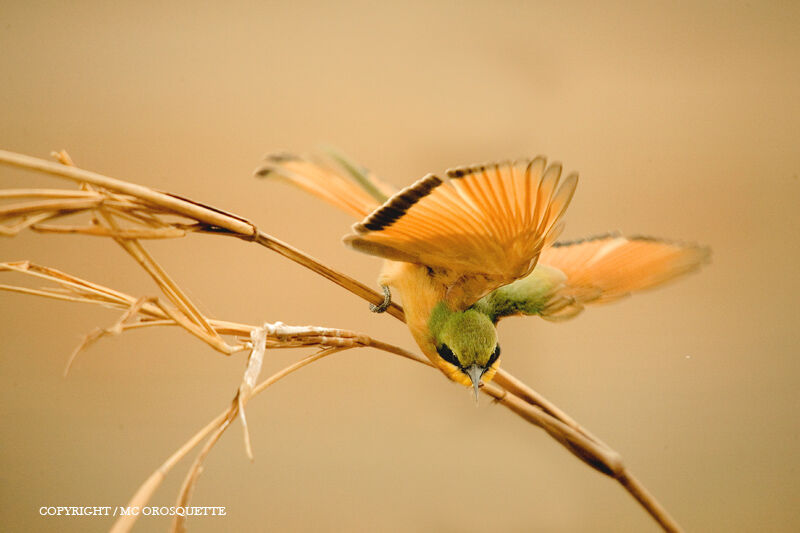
point(467, 342)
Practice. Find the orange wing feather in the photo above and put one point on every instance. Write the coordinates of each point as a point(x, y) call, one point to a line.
point(604, 269)
point(488, 220)
point(324, 181)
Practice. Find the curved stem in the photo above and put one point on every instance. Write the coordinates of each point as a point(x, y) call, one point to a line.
point(648, 501)
point(344, 281)
point(215, 428)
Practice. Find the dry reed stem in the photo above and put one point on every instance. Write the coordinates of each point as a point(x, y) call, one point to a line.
point(141, 205)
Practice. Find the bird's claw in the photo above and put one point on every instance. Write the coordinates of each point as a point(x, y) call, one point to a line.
point(384, 305)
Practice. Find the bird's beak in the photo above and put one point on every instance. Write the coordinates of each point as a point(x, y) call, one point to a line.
point(475, 372)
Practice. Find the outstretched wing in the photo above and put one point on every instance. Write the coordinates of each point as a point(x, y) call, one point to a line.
point(347, 186)
point(597, 270)
point(489, 221)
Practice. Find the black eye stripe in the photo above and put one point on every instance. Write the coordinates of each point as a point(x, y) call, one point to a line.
point(494, 357)
point(447, 354)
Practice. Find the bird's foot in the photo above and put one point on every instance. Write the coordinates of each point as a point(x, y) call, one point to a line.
point(384, 305)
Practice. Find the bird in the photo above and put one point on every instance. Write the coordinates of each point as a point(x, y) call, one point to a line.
point(481, 245)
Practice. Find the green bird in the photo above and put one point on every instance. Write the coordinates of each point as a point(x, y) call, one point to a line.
point(481, 246)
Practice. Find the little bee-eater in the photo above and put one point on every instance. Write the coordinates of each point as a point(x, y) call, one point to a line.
point(481, 246)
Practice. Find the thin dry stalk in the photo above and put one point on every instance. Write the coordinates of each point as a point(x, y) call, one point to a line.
point(108, 199)
point(194, 472)
point(208, 219)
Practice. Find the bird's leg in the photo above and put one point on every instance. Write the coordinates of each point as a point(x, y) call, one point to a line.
point(387, 301)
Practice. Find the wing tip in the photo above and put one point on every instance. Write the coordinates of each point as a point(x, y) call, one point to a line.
point(597, 237)
point(466, 171)
point(398, 205)
point(272, 161)
point(702, 252)
point(463, 172)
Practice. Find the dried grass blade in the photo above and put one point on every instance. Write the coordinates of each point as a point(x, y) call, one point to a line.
point(78, 285)
point(146, 489)
point(14, 229)
point(98, 333)
point(191, 477)
point(258, 342)
point(165, 282)
point(214, 341)
point(45, 193)
point(139, 216)
point(47, 294)
point(59, 206)
point(172, 203)
point(100, 231)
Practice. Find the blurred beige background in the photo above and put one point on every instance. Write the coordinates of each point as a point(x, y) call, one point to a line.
point(684, 123)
